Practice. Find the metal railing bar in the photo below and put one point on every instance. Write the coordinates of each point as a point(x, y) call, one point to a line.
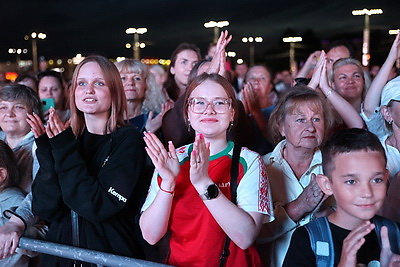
point(81, 254)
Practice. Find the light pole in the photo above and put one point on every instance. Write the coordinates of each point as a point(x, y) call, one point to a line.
point(216, 26)
point(136, 43)
point(251, 40)
point(365, 47)
point(292, 40)
point(33, 37)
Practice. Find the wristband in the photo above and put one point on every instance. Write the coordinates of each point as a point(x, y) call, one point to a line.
point(166, 191)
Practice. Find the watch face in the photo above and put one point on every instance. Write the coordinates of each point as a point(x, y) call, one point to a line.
point(212, 191)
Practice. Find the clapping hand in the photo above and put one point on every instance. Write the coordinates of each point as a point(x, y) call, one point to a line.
point(166, 162)
point(199, 160)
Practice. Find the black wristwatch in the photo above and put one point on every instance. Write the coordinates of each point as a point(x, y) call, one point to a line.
point(212, 191)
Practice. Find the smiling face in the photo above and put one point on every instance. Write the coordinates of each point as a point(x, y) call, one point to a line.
point(92, 95)
point(358, 182)
point(211, 124)
point(134, 85)
point(13, 118)
point(304, 126)
point(349, 82)
point(185, 60)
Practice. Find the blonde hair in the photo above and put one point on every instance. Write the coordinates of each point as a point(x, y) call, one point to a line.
point(352, 61)
point(154, 97)
point(296, 96)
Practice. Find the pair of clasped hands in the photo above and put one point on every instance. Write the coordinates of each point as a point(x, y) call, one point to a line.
point(167, 162)
point(54, 124)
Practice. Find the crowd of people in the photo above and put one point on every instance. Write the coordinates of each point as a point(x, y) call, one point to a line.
point(199, 165)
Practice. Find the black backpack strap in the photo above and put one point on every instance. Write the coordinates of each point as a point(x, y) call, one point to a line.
point(233, 189)
point(321, 241)
point(393, 232)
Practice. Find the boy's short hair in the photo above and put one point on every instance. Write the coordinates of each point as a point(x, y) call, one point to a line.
point(348, 140)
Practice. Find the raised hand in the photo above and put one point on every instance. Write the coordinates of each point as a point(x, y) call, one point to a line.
point(394, 52)
point(199, 160)
point(166, 162)
point(154, 123)
point(353, 242)
point(36, 124)
point(217, 64)
point(316, 77)
point(387, 257)
point(54, 125)
point(249, 99)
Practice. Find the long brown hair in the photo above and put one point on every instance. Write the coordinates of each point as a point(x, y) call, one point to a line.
point(118, 101)
point(170, 84)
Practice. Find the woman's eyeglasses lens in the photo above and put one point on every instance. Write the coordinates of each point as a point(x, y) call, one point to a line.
point(219, 105)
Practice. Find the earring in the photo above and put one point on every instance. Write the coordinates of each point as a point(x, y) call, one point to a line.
point(390, 122)
point(229, 127)
point(188, 123)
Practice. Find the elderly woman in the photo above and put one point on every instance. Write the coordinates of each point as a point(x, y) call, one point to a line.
point(142, 97)
point(192, 191)
point(299, 124)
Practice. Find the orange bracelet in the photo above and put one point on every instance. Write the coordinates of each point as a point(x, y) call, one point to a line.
point(166, 191)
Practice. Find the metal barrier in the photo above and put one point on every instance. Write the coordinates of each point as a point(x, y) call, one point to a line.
point(81, 254)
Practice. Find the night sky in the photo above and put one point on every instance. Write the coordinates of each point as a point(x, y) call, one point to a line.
point(90, 26)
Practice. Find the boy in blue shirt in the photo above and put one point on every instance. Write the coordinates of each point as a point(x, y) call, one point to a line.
point(354, 165)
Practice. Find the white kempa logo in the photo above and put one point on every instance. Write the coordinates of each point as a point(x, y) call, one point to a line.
point(120, 198)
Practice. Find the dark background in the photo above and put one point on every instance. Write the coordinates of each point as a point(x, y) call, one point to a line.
point(99, 26)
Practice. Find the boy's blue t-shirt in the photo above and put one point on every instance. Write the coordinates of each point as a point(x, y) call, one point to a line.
point(300, 252)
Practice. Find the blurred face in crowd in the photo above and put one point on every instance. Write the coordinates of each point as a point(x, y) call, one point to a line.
point(160, 76)
point(241, 70)
point(50, 87)
point(134, 85)
point(184, 63)
point(335, 54)
point(30, 83)
point(349, 81)
point(260, 80)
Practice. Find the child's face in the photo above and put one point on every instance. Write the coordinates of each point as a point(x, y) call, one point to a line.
point(358, 183)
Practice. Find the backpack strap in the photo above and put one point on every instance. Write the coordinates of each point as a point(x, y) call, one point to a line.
point(321, 241)
point(393, 232)
point(233, 188)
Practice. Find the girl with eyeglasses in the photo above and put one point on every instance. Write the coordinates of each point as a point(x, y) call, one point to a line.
point(190, 193)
